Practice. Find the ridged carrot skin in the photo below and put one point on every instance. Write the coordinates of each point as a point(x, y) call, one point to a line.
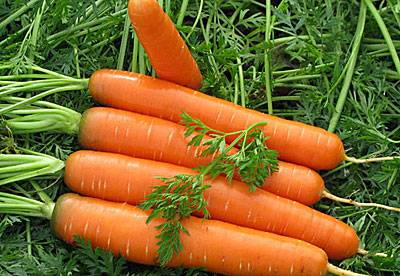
point(133, 134)
point(122, 229)
point(296, 142)
point(121, 178)
point(168, 53)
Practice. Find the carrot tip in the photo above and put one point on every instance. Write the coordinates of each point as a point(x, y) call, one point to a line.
point(365, 252)
point(340, 271)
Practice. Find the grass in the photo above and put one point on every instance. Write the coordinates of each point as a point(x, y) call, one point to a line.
point(309, 46)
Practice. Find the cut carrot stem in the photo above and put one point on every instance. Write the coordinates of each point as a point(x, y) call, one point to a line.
point(326, 194)
point(371, 160)
point(342, 272)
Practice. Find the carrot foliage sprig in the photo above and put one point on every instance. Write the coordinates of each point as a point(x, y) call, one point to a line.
point(253, 161)
point(183, 194)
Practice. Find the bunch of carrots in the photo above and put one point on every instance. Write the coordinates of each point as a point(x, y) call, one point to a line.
point(166, 175)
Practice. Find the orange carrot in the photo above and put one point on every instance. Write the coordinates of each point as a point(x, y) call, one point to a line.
point(122, 229)
point(125, 179)
point(296, 142)
point(118, 131)
point(168, 53)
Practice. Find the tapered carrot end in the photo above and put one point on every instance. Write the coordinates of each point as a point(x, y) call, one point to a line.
point(139, 10)
point(167, 51)
point(337, 148)
point(348, 245)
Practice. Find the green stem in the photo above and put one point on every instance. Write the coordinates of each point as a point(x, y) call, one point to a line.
point(196, 21)
point(124, 43)
point(267, 64)
point(12, 36)
point(385, 34)
point(135, 53)
point(350, 69)
point(297, 70)
point(51, 38)
point(41, 95)
point(241, 82)
point(182, 12)
point(31, 85)
point(40, 117)
point(286, 39)
point(27, 76)
point(29, 238)
point(297, 78)
point(18, 205)
point(142, 61)
point(16, 14)
point(43, 196)
point(28, 166)
point(35, 31)
point(91, 47)
point(296, 86)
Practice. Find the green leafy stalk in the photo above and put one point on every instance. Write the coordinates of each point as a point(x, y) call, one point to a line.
point(182, 12)
point(177, 199)
point(17, 167)
point(124, 43)
point(18, 205)
point(135, 54)
point(84, 26)
point(267, 57)
point(385, 34)
point(17, 13)
point(40, 116)
point(183, 194)
point(351, 63)
point(46, 84)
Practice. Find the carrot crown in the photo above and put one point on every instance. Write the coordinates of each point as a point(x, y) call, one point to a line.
point(18, 205)
point(16, 167)
point(39, 116)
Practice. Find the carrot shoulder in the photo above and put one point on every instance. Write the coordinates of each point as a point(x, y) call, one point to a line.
point(168, 53)
point(122, 229)
point(137, 135)
point(125, 179)
point(295, 142)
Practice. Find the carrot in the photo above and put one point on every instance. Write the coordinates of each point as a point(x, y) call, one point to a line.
point(122, 229)
point(125, 179)
point(156, 139)
point(168, 53)
point(290, 181)
point(296, 142)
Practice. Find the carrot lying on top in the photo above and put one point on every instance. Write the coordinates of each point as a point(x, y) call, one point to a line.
point(296, 142)
point(122, 229)
point(125, 179)
point(168, 53)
